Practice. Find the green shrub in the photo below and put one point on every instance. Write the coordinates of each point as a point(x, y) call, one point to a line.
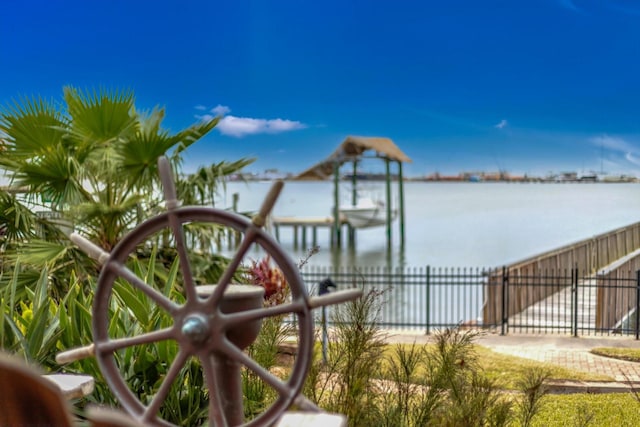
point(345, 382)
point(265, 351)
point(441, 384)
point(61, 325)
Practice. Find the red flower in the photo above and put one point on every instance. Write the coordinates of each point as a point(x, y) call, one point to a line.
point(276, 288)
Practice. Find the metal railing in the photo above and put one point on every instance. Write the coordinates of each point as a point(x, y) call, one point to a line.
point(427, 298)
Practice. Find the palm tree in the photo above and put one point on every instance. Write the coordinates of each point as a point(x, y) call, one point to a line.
point(92, 160)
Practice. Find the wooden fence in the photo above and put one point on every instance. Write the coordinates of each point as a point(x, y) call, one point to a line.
point(587, 256)
point(617, 291)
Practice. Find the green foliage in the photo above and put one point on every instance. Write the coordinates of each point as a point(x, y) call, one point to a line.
point(36, 127)
point(470, 398)
point(93, 158)
point(38, 330)
point(16, 220)
point(406, 401)
point(533, 387)
point(346, 382)
point(91, 161)
point(257, 395)
point(584, 416)
point(437, 385)
point(441, 384)
point(30, 328)
point(99, 115)
point(203, 185)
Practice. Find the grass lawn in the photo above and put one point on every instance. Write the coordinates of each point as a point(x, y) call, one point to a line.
point(507, 369)
point(620, 409)
point(629, 354)
point(615, 409)
point(509, 374)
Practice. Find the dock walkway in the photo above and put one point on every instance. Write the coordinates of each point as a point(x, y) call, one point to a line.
point(555, 311)
point(302, 224)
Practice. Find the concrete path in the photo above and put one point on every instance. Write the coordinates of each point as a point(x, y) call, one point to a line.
point(566, 351)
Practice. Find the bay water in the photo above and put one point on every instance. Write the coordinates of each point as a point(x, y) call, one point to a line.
point(456, 224)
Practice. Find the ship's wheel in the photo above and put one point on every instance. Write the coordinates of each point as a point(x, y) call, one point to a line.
point(210, 324)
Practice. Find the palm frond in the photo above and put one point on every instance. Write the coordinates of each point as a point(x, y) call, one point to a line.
point(105, 206)
point(105, 220)
point(151, 121)
point(39, 253)
point(100, 117)
point(183, 139)
point(56, 175)
point(16, 220)
point(139, 156)
point(202, 186)
point(140, 153)
point(32, 126)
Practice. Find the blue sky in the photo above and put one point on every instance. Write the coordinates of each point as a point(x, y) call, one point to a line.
point(523, 86)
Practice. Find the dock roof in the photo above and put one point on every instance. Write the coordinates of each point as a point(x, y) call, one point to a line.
point(352, 148)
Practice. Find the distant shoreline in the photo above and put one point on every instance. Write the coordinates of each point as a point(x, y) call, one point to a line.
point(475, 177)
point(617, 180)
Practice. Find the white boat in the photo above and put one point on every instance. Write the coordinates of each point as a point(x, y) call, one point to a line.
point(366, 213)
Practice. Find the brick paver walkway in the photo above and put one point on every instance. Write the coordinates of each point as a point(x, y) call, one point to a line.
point(578, 359)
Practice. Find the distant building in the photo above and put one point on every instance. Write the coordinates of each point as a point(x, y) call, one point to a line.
point(567, 177)
point(589, 177)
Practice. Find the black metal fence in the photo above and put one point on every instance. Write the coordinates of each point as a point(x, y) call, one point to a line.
point(564, 302)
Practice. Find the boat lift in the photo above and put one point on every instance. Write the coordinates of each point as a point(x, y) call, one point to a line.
point(352, 150)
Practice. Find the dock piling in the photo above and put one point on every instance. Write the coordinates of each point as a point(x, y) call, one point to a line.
point(300, 229)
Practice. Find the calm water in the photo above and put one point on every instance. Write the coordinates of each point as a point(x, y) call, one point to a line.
point(461, 224)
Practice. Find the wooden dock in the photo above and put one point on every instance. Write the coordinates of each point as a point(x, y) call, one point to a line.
point(554, 313)
point(587, 256)
point(301, 225)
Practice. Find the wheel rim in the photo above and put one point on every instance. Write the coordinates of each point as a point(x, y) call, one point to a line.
point(198, 318)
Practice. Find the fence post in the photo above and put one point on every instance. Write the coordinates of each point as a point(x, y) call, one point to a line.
point(574, 301)
point(428, 297)
point(505, 302)
point(637, 325)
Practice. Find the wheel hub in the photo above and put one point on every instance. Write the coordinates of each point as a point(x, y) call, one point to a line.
point(196, 329)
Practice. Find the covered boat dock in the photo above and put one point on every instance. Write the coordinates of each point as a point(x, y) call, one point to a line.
point(353, 150)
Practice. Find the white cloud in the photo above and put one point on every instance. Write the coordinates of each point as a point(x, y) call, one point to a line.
point(200, 107)
point(220, 110)
point(621, 148)
point(242, 126)
point(280, 125)
point(205, 117)
point(613, 143)
point(632, 158)
point(503, 124)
